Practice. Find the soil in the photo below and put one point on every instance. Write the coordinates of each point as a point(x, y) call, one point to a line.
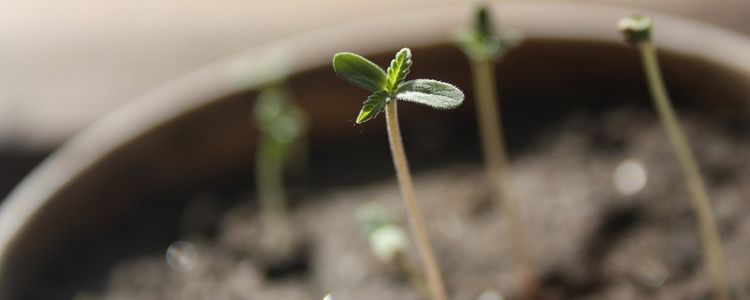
point(589, 239)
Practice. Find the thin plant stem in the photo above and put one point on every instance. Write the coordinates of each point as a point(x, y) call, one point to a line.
point(712, 249)
point(432, 270)
point(272, 198)
point(495, 156)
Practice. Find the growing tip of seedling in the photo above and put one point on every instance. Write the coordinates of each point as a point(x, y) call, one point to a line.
point(278, 117)
point(635, 29)
point(483, 22)
point(481, 42)
point(390, 85)
point(328, 297)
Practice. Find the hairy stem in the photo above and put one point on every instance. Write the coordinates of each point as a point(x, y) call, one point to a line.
point(495, 157)
point(432, 270)
point(712, 249)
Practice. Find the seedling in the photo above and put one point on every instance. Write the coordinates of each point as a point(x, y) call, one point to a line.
point(388, 242)
point(484, 48)
point(281, 125)
point(387, 88)
point(637, 31)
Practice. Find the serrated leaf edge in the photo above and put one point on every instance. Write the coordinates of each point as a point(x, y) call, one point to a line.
point(400, 67)
point(377, 100)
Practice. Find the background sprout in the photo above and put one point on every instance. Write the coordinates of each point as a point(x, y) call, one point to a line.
point(387, 239)
point(484, 48)
point(387, 87)
point(637, 31)
point(388, 242)
point(482, 43)
point(281, 125)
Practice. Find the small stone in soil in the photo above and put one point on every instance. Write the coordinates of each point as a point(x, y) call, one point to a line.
point(181, 256)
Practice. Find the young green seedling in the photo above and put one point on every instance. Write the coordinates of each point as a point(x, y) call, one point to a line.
point(387, 88)
point(637, 32)
point(281, 125)
point(484, 48)
point(388, 242)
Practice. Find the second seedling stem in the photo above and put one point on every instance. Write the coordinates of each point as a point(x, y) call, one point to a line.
point(495, 157)
point(697, 186)
point(637, 31)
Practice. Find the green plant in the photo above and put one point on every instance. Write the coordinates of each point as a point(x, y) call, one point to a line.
point(388, 242)
point(637, 31)
point(281, 125)
point(484, 48)
point(387, 88)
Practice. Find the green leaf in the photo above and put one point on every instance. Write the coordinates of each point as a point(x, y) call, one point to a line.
point(279, 119)
point(359, 71)
point(482, 43)
point(399, 68)
point(372, 107)
point(430, 92)
point(483, 22)
point(636, 28)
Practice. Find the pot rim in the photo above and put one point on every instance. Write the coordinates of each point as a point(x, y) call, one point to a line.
point(253, 68)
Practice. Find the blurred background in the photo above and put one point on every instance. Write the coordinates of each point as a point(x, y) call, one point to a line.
point(64, 64)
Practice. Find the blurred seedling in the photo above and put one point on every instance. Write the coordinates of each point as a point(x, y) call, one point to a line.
point(637, 32)
point(387, 87)
point(389, 243)
point(281, 125)
point(490, 295)
point(484, 48)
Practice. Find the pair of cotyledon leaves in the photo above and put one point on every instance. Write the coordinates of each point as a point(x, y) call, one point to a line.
point(390, 85)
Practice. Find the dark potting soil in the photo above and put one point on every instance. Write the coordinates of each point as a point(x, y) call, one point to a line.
point(603, 205)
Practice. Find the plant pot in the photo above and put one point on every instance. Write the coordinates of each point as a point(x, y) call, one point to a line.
point(194, 133)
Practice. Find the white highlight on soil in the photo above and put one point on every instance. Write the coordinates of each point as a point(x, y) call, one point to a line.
point(490, 295)
point(181, 256)
point(388, 241)
point(630, 177)
point(653, 273)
